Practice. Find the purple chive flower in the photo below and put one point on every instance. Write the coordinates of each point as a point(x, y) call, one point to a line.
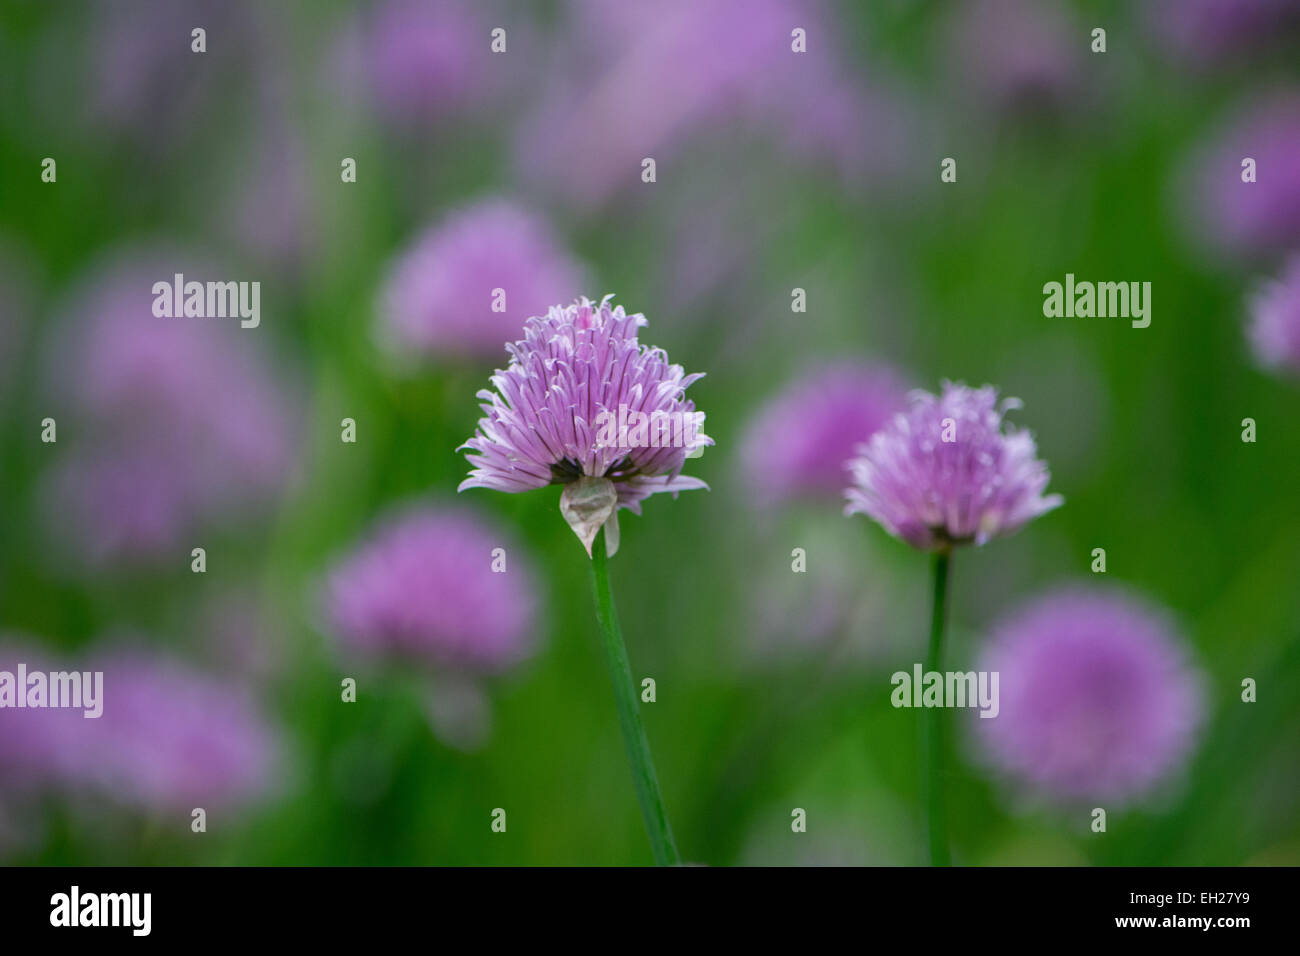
point(562, 413)
point(1096, 698)
point(132, 502)
point(34, 744)
point(422, 588)
point(1263, 215)
point(168, 738)
point(171, 739)
point(1018, 56)
point(117, 363)
point(1275, 320)
point(798, 443)
point(950, 471)
point(442, 294)
point(585, 405)
point(419, 62)
point(190, 424)
point(732, 66)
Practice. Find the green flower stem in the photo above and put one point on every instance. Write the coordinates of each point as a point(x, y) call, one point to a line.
point(932, 723)
point(629, 715)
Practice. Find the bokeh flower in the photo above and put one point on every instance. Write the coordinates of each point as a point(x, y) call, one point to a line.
point(1097, 698)
point(34, 743)
point(172, 738)
point(168, 737)
point(950, 470)
point(577, 370)
point(131, 500)
point(732, 67)
point(1247, 217)
point(421, 588)
point(800, 441)
point(1275, 321)
point(418, 62)
point(180, 422)
point(441, 296)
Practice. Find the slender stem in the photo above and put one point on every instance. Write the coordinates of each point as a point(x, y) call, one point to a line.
point(629, 715)
point(932, 722)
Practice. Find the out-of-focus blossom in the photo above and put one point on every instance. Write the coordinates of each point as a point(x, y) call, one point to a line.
point(561, 414)
point(36, 747)
point(1210, 31)
point(1275, 321)
point(181, 419)
point(35, 743)
point(1019, 57)
point(639, 81)
point(950, 470)
point(167, 739)
point(422, 588)
point(171, 739)
point(1097, 700)
point(131, 500)
point(1246, 217)
point(116, 361)
point(799, 443)
point(419, 62)
point(466, 285)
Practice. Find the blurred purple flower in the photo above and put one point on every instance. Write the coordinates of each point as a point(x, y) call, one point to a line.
point(1246, 217)
point(1209, 31)
point(419, 61)
point(168, 738)
point(422, 588)
point(731, 62)
point(440, 294)
point(578, 369)
point(171, 739)
point(1017, 56)
point(1275, 320)
point(948, 472)
point(800, 441)
point(1097, 700)
point(118, 362)
point(35, 744)
point(134, 500)
point(189, 422)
